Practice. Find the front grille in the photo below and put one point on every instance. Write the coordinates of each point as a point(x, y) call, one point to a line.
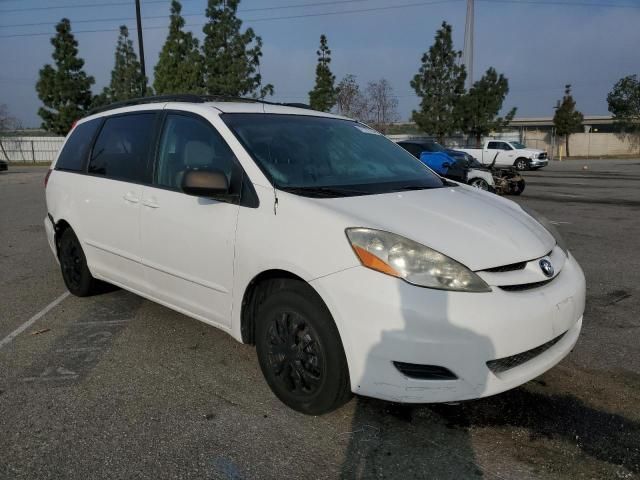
point(425, 372)
point(507, 363)
point(507, 268)
point(525, 286)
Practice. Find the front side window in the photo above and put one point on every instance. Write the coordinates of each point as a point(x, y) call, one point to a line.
point(505, 146)
point(122, 147)
point(74, 154)
point(318, 156)
point(190, 143)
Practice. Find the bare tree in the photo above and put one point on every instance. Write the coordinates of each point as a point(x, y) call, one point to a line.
point(383, 104)
point(349, 101)
point(7, 122)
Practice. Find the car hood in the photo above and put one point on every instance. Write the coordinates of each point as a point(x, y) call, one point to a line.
point(530, 151)
point(478, 229)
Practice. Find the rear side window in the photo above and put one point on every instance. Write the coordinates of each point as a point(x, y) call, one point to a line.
point(74, 154)
point(494, 146)
point(122, 147)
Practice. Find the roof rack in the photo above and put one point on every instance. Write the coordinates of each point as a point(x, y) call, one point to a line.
point(188, 98)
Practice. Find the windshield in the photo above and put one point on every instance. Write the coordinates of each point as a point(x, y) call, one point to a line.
point(437, 147)
point(518, 145)
point(319, 156)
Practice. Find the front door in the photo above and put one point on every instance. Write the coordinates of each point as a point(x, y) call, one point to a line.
point(187, 241)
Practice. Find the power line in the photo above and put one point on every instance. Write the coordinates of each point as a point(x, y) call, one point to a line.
point(288, 17)
point(258, 9)
point(564, 3)
point(155, 17)
point(80, 5)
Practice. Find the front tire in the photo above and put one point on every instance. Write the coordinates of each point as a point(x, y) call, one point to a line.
point(300, 351)
point(521, 164)
point(479, 183)
point(73, 263)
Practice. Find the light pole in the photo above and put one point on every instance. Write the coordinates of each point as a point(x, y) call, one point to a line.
point(143, 87)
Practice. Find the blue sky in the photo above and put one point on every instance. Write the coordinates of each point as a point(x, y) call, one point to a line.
point(538, 44)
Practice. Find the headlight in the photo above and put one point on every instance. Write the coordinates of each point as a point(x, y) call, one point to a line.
point(544, 221)
point(419, 265)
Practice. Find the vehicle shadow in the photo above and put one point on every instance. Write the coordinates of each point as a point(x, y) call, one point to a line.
point(390, 440)
point(607, 437)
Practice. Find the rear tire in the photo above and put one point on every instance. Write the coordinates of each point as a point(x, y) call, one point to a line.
point(300, 351)
point(73, 263)
point(517, 188)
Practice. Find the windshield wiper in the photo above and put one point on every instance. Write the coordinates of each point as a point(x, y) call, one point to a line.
point(324, 191)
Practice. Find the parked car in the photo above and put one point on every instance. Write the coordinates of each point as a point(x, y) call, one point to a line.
point(451, 164)
point(4, 165)
point(350, 265)
point(508, 154)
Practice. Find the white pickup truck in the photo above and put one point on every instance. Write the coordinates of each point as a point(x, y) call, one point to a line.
point(508, 154)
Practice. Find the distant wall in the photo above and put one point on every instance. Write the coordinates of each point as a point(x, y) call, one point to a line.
point(30, 149)
point(592, 144)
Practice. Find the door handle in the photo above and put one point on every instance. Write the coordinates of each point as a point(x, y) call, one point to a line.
point(131, 198)
point(151, 203)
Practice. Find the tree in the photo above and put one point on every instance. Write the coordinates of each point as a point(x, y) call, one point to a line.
point(7, 121)
point(440, 84)
point(179, 69)
point(478, 109)
point(567, 119)
point(350, 102)
point(624, 104)
point(231, 57)
point(383, 105)
point(323, 95)
point(126, 77)
point(65, 89)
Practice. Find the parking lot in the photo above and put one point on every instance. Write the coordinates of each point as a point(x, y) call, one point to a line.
point(114, 386)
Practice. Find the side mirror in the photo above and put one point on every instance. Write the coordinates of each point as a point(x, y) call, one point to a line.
point(205, 183)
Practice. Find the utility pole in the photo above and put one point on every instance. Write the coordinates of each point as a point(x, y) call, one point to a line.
point(467, 52)
point(143, 87)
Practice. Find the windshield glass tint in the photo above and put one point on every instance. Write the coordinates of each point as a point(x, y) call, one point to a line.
point(518, 145)
point(305, 153)
point(437, 147)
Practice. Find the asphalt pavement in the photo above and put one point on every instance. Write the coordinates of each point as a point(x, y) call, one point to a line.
point(114, 386)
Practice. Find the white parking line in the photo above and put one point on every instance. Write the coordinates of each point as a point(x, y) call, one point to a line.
point(6, 340)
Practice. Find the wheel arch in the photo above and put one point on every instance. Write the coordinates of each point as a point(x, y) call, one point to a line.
point(253, 296)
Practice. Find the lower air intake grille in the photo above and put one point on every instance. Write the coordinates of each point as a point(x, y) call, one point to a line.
point(425, 372)
point(503, 364)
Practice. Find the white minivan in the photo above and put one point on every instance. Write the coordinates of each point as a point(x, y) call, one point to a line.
point(349, 264)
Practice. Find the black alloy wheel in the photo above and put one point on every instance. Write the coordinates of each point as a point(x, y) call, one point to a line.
point(299, 349)
point(73, 263)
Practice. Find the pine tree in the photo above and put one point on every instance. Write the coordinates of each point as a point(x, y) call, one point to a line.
point(65, 89)
point(478, 110)
point(179, 69)
point(323, 95)
point(567, 119)
point(231, 57)
point(126, 77)
point(624, 104)
point(440, 84)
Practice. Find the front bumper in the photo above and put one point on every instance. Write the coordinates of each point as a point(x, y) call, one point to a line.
point(538, 162)
point(384, 320)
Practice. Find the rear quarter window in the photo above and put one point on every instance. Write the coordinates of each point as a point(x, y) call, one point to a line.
point(76, 150)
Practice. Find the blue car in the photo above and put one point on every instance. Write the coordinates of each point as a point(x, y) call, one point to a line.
point(434, 156)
